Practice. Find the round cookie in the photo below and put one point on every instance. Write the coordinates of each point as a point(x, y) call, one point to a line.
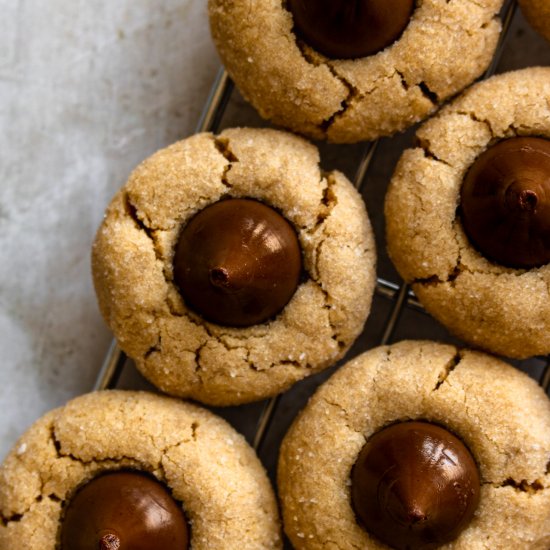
point(444, 47)
point(174, 347)
point(500, 414)
point(503, 309)
point(205, 464)
point(537, 12)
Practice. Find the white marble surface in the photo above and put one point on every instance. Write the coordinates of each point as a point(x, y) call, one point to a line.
point(87, 90)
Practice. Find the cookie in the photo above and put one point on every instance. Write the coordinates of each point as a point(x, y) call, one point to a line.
point(487, 295)
point(443, 47)
point(537, 13)
point(205, 467)
point(173, 345)
point(497, 413)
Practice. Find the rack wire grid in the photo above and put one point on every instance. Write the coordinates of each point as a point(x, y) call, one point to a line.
point(393, 299)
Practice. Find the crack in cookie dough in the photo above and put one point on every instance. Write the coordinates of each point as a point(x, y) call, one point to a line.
point(422, 87)
point(343, 413)
point(156, 348)
point(472, 116)
point(448, 369)
point(428, 94)
point(424, 144)
point(222, 145)
point(522, 486)
point(150, 232)
point(313, 58)
point(353, 95)
point(141, 224)
point(5, 521)
point(328, 203)
point(461, 268)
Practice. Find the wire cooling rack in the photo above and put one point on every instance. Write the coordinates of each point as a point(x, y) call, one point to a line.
point(395, 293)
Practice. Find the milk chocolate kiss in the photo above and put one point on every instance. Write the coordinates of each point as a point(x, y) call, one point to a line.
point(124, 511)
point(348, 29)
point(237, 262)
point(415, 486)
point(505, 202)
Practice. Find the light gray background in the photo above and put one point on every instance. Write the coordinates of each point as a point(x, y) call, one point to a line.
point(88, 88)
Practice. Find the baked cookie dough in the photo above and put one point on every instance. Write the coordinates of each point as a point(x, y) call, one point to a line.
point(501, 415)
point(175, 348)
point(445, 47)
point(537, 13)
point(502, 309)
point(206, 465)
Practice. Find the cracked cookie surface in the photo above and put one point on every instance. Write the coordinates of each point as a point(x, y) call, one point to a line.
point(172, 346)
point(445, 47)
point(207, 466)
point(501, 415)
point(503, 310)
point(537, 12)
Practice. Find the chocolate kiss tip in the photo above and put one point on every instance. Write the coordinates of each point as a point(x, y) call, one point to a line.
point(219, 277)
point(523, 200)
point(417, 516)
point(109, 542)
point(528, 200)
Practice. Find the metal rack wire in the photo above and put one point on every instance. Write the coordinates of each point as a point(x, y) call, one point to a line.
point(397, 292)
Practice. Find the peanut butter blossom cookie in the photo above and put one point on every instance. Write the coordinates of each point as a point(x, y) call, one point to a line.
point(230, 267)
point(468, 214)
point(352, 70)
point(127, 470)
point(418, 446)
point(537, 12)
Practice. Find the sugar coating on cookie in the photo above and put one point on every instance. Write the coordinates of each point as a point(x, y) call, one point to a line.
point(445, 47)
point(537, 13)
point(173, 346)
point(500, 414)
point(504, 310)
point(204, 463)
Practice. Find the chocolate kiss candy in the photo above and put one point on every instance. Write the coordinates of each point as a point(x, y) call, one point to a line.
point(505, 202)
point(415, 485)
point(124, 511)
point(237, 262)
point(348, 29)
